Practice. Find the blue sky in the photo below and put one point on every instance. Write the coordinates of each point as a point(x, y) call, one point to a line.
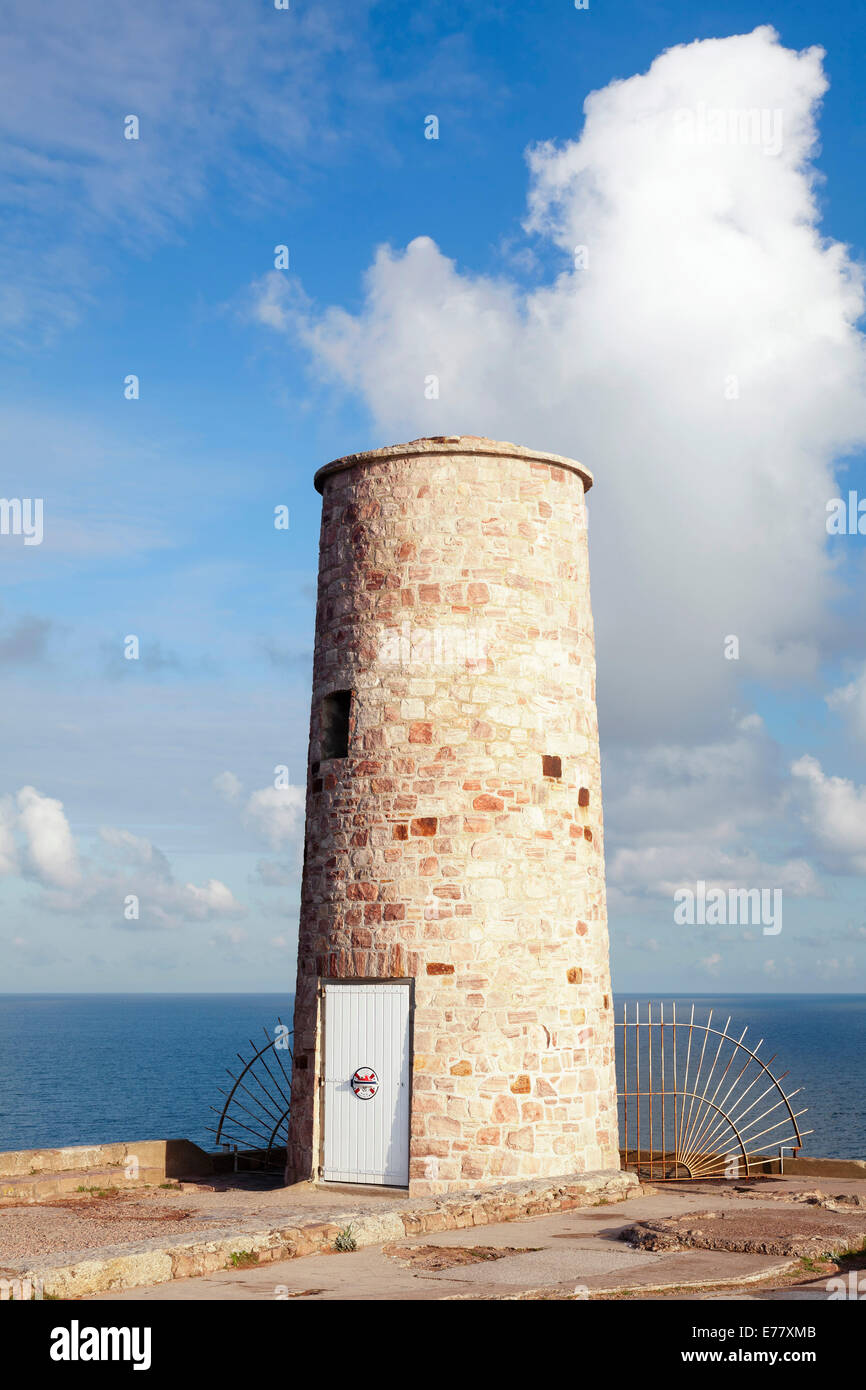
point(156, 257)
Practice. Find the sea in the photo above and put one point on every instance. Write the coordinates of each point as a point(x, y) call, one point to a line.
point(98, 1068)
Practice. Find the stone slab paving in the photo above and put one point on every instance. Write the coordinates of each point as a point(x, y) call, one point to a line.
point(558, 1268)
point(561, 1238)
point(217, 1228)
point(560, 1253)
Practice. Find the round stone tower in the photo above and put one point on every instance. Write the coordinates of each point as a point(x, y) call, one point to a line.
point(453, 1016)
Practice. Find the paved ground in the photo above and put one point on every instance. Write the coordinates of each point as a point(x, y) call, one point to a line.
point(565, 1255)
point(88, 1223)
point(93, 1219)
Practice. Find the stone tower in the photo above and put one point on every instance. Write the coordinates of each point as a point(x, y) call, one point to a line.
point(454, 826)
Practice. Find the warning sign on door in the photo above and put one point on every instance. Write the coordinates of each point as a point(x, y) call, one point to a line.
point(365, 1083)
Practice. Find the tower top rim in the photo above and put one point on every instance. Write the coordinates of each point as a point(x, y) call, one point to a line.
point(477, 445)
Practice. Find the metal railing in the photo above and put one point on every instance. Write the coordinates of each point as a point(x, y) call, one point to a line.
point(257, 1106)
point(691, 1098)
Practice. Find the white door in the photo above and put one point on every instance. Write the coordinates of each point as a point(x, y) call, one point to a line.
point(367, 1083)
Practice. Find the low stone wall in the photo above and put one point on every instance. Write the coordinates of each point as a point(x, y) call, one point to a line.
point(155, 1159)
point(22, 1162)
point(820, 1167)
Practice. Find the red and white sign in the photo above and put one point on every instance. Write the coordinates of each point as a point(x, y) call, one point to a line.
point(365, 1083)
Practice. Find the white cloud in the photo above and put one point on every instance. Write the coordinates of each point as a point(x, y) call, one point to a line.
point(718, 787)
point(8, 847)
point(663, 869)
point(687, 813)
point(125, 846)
point(51, 851)
point(162, 901)
point(834, 811)
point(125, 865)
point(705, 263)
point(701, 354)
point(850, 701)
point(213, 897)
point(276, 813)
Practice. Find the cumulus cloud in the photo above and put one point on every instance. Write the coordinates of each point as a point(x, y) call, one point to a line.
point(663, 869)
point(160, 900)
point(50, 846)
point(213, 897)
point(8, 848)
point(276, 813)
point(144, 871)
point(126, 847)
point(703, 360)
point(849, 701)
point(688, 813)
point(692, 336)
point(718, 787)
point(37, 843)
point(833, 810)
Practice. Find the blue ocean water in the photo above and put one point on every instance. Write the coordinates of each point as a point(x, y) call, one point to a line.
point(97, 1068)
point(77, 1069)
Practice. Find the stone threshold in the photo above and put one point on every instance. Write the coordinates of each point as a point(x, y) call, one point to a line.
point(158, 1261)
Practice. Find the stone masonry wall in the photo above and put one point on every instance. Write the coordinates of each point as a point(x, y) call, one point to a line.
point(454, 603)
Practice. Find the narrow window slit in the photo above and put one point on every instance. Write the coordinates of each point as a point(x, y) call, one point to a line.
point(335, 724)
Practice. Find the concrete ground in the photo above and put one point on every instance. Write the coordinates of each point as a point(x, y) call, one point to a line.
point(573, 1254)
point(97, 1217)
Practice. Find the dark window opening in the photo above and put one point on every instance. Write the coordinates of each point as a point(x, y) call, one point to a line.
point(335, 724)
point(551, 766)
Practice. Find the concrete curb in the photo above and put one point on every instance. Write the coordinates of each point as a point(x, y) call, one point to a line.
point(158, 1262)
